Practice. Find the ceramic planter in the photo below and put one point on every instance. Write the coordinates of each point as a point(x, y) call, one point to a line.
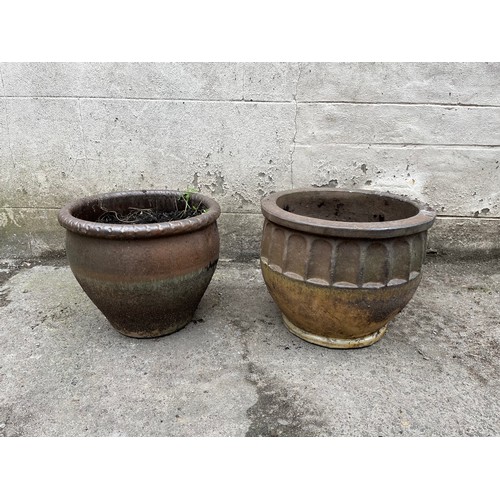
point(147, 279)
point(340, 264)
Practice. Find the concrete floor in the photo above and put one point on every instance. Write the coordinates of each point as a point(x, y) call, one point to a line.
point(237, 371)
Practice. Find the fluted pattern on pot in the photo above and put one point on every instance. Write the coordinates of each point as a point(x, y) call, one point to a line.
point(341, 262)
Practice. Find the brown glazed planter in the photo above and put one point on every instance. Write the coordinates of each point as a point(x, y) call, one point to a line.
point(340, 264)
point(147, 279)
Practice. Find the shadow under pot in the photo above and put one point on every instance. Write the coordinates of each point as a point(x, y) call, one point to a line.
point(340, 264)
point(145, 258)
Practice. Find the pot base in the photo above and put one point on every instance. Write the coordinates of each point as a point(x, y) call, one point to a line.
point(334, 343)
point(150, 334)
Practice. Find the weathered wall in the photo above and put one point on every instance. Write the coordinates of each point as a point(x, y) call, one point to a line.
point(237, 131)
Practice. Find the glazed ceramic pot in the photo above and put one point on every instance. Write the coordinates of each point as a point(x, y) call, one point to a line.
point(147, 279)
point(340, 264)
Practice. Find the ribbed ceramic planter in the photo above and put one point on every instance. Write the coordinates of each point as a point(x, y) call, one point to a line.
point(147, 279)
point(340, 264)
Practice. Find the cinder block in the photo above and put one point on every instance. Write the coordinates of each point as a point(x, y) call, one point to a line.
point(240, 236)
point(452, 180)
point(6, 165)
point(235, 152)
point(29, 232)
point(453, 83)
point(206, 81)
point(270, 81)
point(397, 124)
point(47, 148)
point(473, 238)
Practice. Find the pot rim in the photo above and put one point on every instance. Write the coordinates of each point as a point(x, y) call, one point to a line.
point(136, 231)
point(422, 221)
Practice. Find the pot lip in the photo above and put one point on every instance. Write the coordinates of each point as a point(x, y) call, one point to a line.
point(136, 231)
point(422, 221)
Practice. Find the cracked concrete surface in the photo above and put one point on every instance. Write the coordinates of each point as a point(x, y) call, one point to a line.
point(294, 143)
point(236, 370)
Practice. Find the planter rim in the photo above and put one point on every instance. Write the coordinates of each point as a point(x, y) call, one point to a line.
point(136, 231)
point(422, 221)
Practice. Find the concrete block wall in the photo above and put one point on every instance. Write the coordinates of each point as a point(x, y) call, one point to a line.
point(237, 131)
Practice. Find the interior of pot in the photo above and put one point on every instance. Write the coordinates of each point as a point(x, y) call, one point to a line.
point(91, 209)
point(347, 206)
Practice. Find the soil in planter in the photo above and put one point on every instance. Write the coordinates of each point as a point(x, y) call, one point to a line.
point(150, 215)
